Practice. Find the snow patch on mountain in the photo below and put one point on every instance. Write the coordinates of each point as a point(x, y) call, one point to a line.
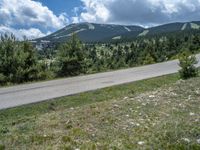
point(195, 26)
point(91, 26)
point(184, 27)
point(68, 35)
point(145, 32)
point(126, 28)
point(117, 38)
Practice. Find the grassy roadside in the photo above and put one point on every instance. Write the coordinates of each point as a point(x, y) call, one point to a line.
point(158, 113)
point(116, 92)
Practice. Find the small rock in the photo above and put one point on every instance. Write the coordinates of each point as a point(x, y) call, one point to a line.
point(152, 96)
point(144, 104)
point(173, 94)
point(198, 141)
point(125, 98)
point(137, 124)
point(116, 106)
point(192, 114)
point(197, 92)
point(141, 143)
point(186, 140)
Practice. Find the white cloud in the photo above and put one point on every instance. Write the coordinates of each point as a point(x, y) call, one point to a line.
point(29, 13)
point(20, 33)
point(95, 11)
point(35, 20)
point(144, 12)
point(28, 17)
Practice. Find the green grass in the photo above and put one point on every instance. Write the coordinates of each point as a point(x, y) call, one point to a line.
point(24, 112)
point(159, 113)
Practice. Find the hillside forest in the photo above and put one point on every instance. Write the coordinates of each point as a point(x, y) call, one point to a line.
point(20, 61)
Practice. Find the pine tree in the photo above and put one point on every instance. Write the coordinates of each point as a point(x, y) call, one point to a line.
point(187, 64)
point(71, 58)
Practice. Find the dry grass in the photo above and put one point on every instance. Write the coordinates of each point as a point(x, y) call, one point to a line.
point(165, 118)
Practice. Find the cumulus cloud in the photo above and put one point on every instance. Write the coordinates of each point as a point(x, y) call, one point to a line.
point(34, 19)
point(143, 12)
point(29, 14)
point(20, 33)
point(95, 10)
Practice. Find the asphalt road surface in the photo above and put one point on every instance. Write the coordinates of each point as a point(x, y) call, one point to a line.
point(37, 92)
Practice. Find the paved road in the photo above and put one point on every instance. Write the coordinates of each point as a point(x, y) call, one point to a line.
point(37, 92)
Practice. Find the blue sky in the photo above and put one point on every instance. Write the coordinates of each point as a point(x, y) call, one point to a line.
point(37, 18)
point(59, 6)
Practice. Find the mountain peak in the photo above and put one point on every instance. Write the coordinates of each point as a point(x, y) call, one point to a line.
point(93, 32)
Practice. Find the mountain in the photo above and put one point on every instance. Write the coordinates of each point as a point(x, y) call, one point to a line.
point(91, 32)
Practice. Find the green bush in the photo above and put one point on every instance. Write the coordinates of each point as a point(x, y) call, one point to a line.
point(187, 64)
point(71, 58)
point(19, 62)
point(2, 147)
point(2, 79)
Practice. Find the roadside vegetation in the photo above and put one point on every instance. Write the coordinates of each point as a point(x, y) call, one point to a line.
point(159, 113)
point(20, 62)
point(187, 64)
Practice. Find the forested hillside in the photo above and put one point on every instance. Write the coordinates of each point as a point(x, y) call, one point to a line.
point(21, 62)
point(91, 32)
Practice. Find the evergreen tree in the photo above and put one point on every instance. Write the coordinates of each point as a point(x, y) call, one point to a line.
point(71, 57)
point(19, 62)
point(187, 64)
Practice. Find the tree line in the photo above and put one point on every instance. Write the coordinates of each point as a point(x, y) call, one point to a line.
point(21, 62)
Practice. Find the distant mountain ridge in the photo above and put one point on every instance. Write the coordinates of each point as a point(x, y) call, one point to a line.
point(92, 32)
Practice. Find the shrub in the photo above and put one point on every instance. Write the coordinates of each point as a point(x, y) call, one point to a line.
point(187, 64)
point(2, 147)
point(71, 58)
point(2, 79)
point(19, 62)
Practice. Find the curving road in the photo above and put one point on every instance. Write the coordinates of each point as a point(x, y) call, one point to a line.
point(37, 92)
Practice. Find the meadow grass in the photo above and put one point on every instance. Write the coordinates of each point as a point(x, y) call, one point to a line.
point(158, 113)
